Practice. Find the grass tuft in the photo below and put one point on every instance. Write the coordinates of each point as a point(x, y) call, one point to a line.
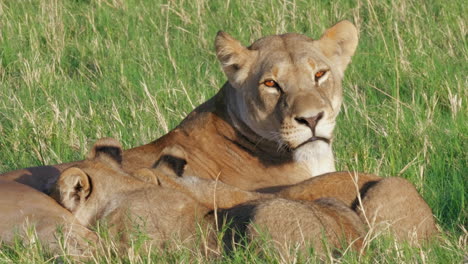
point(75, 71)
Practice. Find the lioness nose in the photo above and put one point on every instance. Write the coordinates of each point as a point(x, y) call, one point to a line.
point(310, 121)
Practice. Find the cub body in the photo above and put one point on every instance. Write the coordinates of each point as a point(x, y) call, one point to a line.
point(293, 226)
point(148, 202)
point(391, 204)
point(29, 214)
point(98, 189)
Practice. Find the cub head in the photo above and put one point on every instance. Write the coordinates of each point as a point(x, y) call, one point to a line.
point(86, 189)
point(287, 88)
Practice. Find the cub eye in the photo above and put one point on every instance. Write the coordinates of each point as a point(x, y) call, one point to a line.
point(270, 83)
point(319, 75)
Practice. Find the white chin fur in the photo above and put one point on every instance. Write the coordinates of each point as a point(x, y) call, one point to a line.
point(317, 156)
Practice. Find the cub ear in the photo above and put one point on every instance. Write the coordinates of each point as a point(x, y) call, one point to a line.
point(107, 148)
point(146, 175)
point(172, 162)
point(235, 58)
point(74, 188)
point(339, 43)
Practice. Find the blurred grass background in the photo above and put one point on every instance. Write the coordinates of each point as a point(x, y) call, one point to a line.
point(75, 71)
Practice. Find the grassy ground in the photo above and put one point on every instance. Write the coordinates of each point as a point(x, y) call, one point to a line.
point(74, 71)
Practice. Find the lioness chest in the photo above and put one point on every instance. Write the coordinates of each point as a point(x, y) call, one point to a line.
point(214, 152)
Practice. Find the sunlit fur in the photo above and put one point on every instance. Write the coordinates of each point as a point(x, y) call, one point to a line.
point(291, 61)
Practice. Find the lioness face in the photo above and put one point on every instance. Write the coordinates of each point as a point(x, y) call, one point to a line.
point(289, 86)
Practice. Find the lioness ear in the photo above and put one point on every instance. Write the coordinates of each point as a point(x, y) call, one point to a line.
point(339, 43)
point(74, 188)
point(146, 175)
point(173, 161)
point(235, 58)
point(107, 148)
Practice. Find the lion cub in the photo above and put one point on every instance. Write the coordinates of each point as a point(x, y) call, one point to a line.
point(287, 223)
point(99, 190)
point(382, 203)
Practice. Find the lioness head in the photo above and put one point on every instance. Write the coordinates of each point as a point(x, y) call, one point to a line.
point(287, 88)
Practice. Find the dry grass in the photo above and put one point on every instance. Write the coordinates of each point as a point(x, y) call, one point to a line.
point(75, 71)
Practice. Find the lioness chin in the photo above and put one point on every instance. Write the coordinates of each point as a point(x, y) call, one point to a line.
point(272, 122)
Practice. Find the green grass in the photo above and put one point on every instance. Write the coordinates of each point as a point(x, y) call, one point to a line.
point(75, 71)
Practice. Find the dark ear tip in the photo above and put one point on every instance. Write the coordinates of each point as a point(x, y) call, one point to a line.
point(176, 164)
point(109, 147)
point(113, 152)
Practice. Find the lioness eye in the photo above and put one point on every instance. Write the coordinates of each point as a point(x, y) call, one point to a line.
point(319, 75)
point(270, 83)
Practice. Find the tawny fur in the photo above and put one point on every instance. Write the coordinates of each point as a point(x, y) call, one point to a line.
point(394, 204)
point(291, 226)
point(165, 212)
point(25, 209)
point(249, 135)
point(98, 189)
point(388, 202)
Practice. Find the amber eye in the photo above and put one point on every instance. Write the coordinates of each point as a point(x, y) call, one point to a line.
point(319, 75)
point(270, 83)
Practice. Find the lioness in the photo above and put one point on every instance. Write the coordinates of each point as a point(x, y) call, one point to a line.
point(30, 214)
point(271, 123)
point(98, 189)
